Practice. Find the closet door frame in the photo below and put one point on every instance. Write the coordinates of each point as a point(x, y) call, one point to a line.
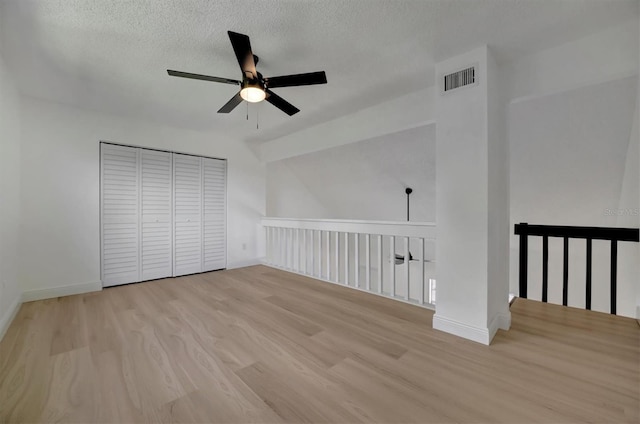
point(139, 171)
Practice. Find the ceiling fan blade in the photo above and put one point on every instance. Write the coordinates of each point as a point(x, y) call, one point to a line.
point(242, 48)
point(202, 77)
point(310, 78)
point(281, 103)
point(231, 104)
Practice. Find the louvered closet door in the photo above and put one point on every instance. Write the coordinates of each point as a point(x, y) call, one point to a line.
point(156, 258)
point(187, 182)
point(120, 218)
point(215, 243)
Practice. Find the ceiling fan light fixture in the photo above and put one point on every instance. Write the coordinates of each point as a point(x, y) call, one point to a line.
point(253, 94)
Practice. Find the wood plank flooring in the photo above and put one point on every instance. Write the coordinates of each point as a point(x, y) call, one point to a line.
point(262, 345)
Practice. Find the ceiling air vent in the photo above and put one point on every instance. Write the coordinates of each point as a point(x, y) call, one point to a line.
point(459, 79)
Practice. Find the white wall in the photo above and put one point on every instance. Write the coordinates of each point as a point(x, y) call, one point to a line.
point(628, 215)
point(288, 196)
point(604, 56)
point(471, 199)
point(409, 111)
point(569, 157)
point(364, 180)
point(60, 190)
point(9, 196)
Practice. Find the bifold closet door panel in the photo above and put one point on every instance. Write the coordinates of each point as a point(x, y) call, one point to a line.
point(120, 214)
point(215, 229)
point(187, 214)
point(156, 255)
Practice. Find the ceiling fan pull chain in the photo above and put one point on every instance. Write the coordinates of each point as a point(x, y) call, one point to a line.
point(258, 118)
point(247, 110)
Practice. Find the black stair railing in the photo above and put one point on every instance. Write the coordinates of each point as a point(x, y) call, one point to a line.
point(614, 235)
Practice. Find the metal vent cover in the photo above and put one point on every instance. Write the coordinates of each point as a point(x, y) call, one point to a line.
point(458, 79)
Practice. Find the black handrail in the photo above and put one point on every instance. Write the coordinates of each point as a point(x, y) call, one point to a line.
point(614, 235)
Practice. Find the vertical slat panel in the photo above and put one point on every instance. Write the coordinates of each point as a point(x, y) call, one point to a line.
point(565, 272)
point(392, 267)
point(380, 279)
point(587, 301)
point(614, 275)
point(406, 268)
point(367, 271)
point(214, 224)
point(120, 209)
point(356, 264)
point(156, 253)
point(188, 211)
point(346, 259)
point(545, 267)
point(421, 275)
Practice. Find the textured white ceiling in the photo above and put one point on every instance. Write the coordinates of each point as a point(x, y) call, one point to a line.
point(112, 55)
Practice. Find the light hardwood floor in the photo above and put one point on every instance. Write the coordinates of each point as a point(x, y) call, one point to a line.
point(261, 345)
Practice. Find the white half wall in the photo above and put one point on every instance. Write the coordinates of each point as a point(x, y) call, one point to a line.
point(60, 240)
point(10, 125)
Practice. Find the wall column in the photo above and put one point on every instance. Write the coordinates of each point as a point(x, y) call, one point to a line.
point(472, 207)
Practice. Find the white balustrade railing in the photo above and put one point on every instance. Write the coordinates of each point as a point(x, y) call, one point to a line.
point(392, 259)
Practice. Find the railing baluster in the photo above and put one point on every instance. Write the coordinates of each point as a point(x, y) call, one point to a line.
point(380, 264)
point(392, 268)
point(346, 259)
point(545, 267)
point(280, 246)
point(421, 274)
point(313, 249)
point(299, 253)
point(268, 244)
point(319, 254)
point(356, 263)
point(328, 256)
point(523, 261)
point(565, 272)
point(337, 255)
point(304, 250)
point(406, 268)
point(588, 282)
point(367, 252)
point(614, 274)
point(291, 249)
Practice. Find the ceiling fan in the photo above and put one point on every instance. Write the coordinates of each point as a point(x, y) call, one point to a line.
point(254, 87)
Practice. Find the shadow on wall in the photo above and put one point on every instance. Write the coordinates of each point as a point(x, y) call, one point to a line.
point(364, 180)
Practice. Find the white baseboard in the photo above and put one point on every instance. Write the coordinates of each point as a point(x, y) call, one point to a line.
point(9, 315)
point(53, 292)
point(499, 322)
point(476, 334)
point(242, 264)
